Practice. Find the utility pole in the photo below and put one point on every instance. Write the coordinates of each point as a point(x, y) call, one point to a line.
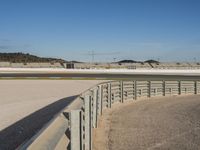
point(93, 54)
point(195, 60)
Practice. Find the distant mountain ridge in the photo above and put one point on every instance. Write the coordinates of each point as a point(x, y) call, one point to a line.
point(29, 58)
point(26, 58)
point(133, 61)
point(128, 61)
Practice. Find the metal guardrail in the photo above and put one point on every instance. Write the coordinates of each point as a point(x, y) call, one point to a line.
point(72, 129)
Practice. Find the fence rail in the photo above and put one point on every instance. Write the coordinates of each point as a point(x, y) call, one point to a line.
point(72, 129)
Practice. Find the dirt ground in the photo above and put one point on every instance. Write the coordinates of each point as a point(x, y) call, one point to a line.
point(19, 98)
point(166, 123)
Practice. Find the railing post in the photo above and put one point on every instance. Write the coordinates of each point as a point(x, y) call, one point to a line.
point(94, 117)
point(195, 87)
point(171, 91)
point(88, 130)
point(122, 91)
point(135, 86)
point(149, 90)
point(180, 88)
point(109, 96)
point(164, 88)
point(100, 101)
point(75, 130)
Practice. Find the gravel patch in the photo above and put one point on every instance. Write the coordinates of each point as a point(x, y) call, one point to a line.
point(157, 123)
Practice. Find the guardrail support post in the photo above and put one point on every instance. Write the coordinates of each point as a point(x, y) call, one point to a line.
point(94, 119)
point(109, 96)
point(75, 124)
point(172, 91)
point(149, 90)
point(164, 88)
point(122, 91)
point(195, 87)
point(88, 130)
point(100, 101)
point(135, 86)
point(180, 88)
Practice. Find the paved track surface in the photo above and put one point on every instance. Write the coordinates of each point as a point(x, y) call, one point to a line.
point(100, 75)
point(27, 105)
point(170, 123)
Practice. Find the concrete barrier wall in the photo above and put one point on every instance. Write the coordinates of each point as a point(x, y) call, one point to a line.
point(30, 65)
point(72, 129)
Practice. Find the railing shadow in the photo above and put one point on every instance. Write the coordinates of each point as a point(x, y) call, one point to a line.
point(16, 134)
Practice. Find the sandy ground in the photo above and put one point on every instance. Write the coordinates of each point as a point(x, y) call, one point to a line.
point(167, 123)
point(19, 98)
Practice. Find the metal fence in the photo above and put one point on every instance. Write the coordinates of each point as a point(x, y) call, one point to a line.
point(72, 129)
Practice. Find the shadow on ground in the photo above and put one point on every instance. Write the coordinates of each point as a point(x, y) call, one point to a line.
point(16, 134)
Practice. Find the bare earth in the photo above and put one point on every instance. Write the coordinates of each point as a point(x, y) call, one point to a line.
point(167, 123)
point(19, 98)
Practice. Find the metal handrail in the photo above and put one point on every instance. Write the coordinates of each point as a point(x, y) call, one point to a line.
point(72, 129)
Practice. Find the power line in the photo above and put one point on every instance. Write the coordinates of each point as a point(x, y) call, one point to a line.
point(93, 54)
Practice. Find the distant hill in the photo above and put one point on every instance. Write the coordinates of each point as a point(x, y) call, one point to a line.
point(26, 58)
point(74, 61)
point(133, 61)
point(152, 61)
point(128, 61)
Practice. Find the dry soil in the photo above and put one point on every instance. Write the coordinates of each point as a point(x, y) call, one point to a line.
point(167, 123)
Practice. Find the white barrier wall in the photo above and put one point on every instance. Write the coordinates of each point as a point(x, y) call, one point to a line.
point(72, 129)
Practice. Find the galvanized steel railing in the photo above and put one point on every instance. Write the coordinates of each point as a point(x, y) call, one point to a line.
point(72, 129)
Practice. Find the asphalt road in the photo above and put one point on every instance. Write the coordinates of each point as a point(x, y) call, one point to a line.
point(99, 76)
point(168, 123)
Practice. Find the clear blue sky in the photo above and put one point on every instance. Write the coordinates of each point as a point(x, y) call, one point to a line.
point(135, 29)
